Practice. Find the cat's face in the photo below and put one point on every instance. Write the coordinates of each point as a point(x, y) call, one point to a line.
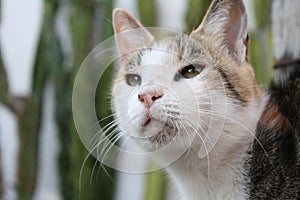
point(180, 88)
point(158, 92)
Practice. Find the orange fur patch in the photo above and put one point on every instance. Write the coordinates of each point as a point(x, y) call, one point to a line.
point(272, 117)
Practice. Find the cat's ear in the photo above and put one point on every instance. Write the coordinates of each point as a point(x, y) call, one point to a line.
point(129, 33)
point(226, 21)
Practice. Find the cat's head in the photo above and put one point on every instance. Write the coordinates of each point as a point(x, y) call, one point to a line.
point(183, 86)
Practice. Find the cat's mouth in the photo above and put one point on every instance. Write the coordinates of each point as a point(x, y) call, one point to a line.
point(147, 122)
point(166, 133)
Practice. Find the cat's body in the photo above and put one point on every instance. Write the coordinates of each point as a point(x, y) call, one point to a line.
point(198, 94)
point(274, 172)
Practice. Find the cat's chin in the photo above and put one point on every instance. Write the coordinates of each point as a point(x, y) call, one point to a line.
point(164, 136)
point(158, 134)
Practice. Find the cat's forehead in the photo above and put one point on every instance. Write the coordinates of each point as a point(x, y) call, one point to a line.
point(173, 52)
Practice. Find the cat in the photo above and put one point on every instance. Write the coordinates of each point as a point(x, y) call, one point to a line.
point(197, 95)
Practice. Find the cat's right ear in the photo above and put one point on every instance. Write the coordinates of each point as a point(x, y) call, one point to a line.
point(226, 22)
point(129, 33)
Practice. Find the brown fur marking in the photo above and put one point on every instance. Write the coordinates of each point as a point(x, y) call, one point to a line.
point(272, 117)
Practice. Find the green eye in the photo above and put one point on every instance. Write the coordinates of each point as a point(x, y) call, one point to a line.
point(191, 71)
point(133, 79)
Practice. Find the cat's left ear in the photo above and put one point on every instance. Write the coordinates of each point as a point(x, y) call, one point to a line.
point(129, 33)
point(226, 21)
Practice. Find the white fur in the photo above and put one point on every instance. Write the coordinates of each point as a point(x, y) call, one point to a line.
point(220, 175)
point(212, 166)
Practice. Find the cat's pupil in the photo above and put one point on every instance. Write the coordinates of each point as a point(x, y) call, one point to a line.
point(133, 79)
point(191, 71)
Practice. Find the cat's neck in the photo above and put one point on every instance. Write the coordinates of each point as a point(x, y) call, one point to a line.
point(216, 176)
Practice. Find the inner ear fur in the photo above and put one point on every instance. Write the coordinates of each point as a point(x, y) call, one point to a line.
point(226, 22)
point(130, 35)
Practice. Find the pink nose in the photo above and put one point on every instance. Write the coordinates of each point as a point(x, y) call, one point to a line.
point(149, 98)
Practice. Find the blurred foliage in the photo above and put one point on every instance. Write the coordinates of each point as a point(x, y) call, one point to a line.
point(89, 26)
point(49, 66)
point(195, 13)
point(260, 50)
point(4, 97)
point(4, 86)
point(156, 186)
point(48, 56)
point(263, 13)
point(81, 23)
point(147, 12)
